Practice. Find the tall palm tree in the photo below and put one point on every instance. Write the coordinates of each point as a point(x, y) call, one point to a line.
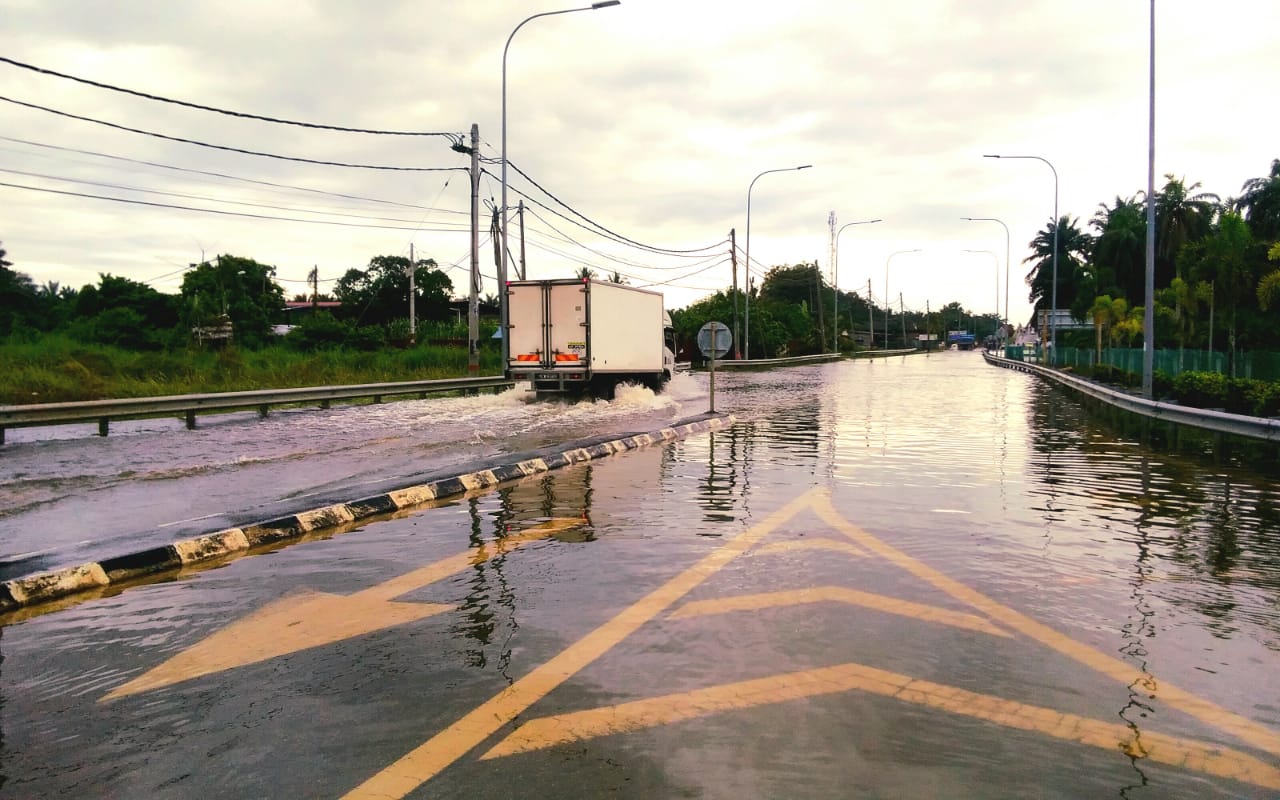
point(1269, 286)
point(1073, 248)
point(1259, 202)
point(1119, 252)
point(1181, 218)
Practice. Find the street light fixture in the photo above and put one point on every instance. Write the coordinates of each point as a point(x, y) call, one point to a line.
point(995, 259)
point(746, 301)
point(886, 293)
point(502, 260)
point(835, 285)
point(1006, 264)
point(1053, 322)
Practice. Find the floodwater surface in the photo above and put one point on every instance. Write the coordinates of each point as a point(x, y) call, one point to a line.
point(916, 577)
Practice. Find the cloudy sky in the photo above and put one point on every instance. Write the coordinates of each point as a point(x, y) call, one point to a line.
point(649, 119)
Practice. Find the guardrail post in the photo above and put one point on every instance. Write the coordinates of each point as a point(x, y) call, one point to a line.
point(191, 419)
point(262, 410)
point(102, 426)
point(1, 435)
point(324, 404)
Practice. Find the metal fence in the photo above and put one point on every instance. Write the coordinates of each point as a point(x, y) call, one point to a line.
point(1262, 366)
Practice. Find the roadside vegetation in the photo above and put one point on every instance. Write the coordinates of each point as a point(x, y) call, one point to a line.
point(1217, 276)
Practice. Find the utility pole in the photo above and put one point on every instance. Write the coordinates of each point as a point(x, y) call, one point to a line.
point(413, 318)
point(520, 212)
point(314, 277)
point(902, 313)
point(733, 257)
point(473, 307)
point(871, 322)
point(817, 298)
point(835, 292)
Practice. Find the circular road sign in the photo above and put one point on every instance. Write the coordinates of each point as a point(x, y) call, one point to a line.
point(714, 336)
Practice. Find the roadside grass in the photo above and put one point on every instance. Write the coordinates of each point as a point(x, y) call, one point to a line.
point(60, 369)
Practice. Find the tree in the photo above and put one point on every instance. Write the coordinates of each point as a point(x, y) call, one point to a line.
point(1269, 286)
point(1100, 313)
point(380, 293)
point(1259, 202)
point(1118, 262)
point(235, 288)
point(17, 298)
point(587, 274)
point(1181, 218)
point(1224, 258)
point(617, 277)
point(1074, 246)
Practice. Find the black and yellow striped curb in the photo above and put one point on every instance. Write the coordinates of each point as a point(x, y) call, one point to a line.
point(48, 586)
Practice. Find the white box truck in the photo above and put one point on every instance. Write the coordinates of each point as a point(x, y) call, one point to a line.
point(576, 336)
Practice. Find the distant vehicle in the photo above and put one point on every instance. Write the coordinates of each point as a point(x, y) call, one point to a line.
point(577, 336)
point(961, 340)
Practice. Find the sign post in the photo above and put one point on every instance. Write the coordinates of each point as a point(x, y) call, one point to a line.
point(714, 340)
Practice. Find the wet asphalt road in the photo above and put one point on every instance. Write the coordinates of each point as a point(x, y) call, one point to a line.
point(846, 595)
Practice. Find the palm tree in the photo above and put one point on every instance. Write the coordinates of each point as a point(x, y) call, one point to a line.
point(1119, 253)
point(1269, 286)
point(1260, 204)
point(1181, 218)
point(1223, 258)
point(1073, 248)
point(1100, 313)
point(587, 274)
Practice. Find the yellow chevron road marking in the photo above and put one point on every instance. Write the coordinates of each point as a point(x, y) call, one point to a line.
point(560, 729)
point(836, 594)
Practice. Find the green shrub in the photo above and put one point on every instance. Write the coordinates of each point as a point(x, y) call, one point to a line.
point(1201, 389)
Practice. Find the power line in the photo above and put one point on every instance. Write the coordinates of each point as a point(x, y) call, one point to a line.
point(455, 137)
point(217, 174)
point(225, 213)
point(126, 188)
point(242, 151)
point(576, 213)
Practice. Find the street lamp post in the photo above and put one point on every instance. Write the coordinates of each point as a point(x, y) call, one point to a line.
point(996, 260)
point(502, 259)
point(835, 284)
point(1053, 322)
point(746, 300)
point(1006, 263)
point(886, 293)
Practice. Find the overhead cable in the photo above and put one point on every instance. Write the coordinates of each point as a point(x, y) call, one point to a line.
point(224, 213)
point(221, 175)
point(123, 187)
point(225, 147)
point(456, 137)
point(576, 213)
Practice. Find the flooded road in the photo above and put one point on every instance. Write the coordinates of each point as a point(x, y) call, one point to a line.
point(920, 577)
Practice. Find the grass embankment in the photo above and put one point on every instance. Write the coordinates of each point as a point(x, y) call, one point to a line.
point(58, 369)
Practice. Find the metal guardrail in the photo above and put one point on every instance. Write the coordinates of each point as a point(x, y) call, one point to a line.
point(103, 411)
point(1261, 428)
point(747, 363)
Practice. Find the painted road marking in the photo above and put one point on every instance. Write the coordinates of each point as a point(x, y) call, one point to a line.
point(1204, 757)
point(836, 594)
point(428, 759)
point(312, 619)
point(447, 746)
point(832, 545)
point(1245, 729)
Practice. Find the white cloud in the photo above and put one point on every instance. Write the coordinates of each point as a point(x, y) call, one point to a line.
point(652, 118)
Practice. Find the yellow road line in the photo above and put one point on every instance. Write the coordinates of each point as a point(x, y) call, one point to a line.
point(310, 619)
point(811, 544)
point(1203, 757)
point(1245, 729)
point(836, 594)
point(428, 759)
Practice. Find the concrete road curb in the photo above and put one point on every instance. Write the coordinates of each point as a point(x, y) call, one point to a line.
point(47, 586)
